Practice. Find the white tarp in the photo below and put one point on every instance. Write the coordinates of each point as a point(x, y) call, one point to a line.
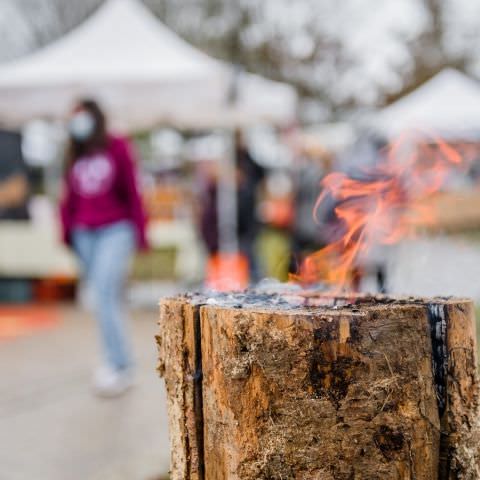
point(143, 73)
point(447, 105)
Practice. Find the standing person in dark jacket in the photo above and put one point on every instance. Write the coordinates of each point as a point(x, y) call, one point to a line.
point(103, 220)
point(249, 176)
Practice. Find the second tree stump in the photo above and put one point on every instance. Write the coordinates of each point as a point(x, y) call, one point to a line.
point(308, 387)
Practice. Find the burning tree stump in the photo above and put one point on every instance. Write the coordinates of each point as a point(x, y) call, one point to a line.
point(302, 386)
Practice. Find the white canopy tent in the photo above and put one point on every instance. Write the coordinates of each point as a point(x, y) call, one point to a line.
point(143, 74)
point(447, 105)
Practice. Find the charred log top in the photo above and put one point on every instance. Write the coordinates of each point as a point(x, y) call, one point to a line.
point(289, 299)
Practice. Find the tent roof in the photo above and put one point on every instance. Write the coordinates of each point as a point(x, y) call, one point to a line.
point(448, 105)
point(142, 73)
point(122, 41)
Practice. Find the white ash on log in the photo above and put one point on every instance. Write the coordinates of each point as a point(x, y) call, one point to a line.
point(306, 386)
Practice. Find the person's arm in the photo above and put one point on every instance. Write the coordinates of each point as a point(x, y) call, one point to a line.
point(133, 198)
point(66, 212)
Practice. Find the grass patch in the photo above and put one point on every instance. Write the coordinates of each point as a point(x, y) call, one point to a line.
point(157, 264)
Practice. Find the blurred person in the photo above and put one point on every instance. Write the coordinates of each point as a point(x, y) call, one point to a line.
point(104, 222)
point(276, 211)
point(314, 225)
point(208, 206)
point(14, 187)
point(308, 235)
point(365, 155)
point(249, 177)
point(372, 151)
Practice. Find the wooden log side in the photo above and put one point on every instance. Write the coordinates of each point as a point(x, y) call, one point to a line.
point(331, 396)
point(176, 343)
point(321, 393)
point(462, 420)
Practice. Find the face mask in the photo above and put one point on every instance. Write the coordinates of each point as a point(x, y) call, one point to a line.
point(81, 126)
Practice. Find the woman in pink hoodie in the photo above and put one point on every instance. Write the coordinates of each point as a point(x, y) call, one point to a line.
point(104, 222)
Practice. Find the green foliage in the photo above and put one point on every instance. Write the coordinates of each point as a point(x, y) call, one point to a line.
point(158, 264)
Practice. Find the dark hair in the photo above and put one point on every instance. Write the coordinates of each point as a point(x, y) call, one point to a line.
point(97, 140)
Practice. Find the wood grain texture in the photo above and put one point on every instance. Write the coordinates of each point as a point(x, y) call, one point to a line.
point(461, 420)
point(320, 393)
point(176, 344)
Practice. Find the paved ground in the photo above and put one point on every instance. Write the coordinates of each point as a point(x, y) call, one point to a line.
point(53, 428)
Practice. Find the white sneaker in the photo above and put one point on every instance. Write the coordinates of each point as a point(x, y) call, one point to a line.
point(108, 382)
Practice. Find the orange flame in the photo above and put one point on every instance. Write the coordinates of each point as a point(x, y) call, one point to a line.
point(380, 207)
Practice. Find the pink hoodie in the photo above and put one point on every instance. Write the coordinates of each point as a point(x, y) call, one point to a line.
point(101, 189)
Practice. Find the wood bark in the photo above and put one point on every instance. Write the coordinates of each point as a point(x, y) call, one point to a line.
point(372, 390)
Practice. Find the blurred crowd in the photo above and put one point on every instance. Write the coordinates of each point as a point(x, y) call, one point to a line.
point(274, 180)
point(223, 204)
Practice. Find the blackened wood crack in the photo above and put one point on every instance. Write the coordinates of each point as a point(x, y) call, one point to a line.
point(198, 393)
point(437, 315)
point(438, 332)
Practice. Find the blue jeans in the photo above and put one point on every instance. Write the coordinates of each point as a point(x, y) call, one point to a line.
point(105, 255)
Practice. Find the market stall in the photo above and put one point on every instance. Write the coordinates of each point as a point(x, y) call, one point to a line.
point(144, 75)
